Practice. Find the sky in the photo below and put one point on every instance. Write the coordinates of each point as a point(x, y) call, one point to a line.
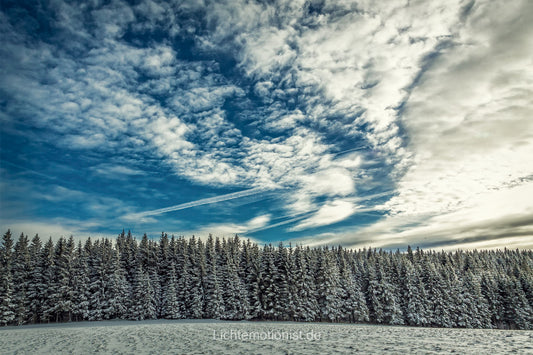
point(356, 123)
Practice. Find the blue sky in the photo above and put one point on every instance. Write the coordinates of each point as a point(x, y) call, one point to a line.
point(368, 123)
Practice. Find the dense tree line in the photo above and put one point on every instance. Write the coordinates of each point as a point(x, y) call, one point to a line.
point(234, 279)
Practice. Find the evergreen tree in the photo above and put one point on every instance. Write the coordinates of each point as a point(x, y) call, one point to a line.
point(7, 298)
point(353, 304)
point(517, 314)
point(234, 292)
point(7, 304)
point(143, 305)
point(474, 304)
point(21, 269)
point(436, 296)
point(267, 284)
point(228, 279)
point(80, 285)
point(414, 298)
point(305, 304)
point(383, 301)
point(165, 261)
point(328, 291)
point(194, 293)
point(48, 282)
point(250, 274)
point(213, 305)
point(36, 282)
point(170, 305)
point(118, 291)
point(284, 298)
point(183, 278)
point(129, 252)
point(60, 297)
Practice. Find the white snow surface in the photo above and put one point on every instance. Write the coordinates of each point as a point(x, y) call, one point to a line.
point(221, 337)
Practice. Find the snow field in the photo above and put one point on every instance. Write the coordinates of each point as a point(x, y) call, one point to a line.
point(217, 337)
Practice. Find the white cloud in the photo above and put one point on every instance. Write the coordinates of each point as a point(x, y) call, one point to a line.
point(168, 134)
point(331, 212)
point(162, 62)
point(470, 134)
point(32, 228)
point(329, 182)
point(469, 124)
point(84, 141)
point(229, 230)
point(491, 219)
point(341, 62)
point(441, 99)
point(116, 171)
point(51, 229)
point(258, 222)
point(349, 161)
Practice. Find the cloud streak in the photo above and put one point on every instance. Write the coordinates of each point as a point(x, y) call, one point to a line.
point(191, 204)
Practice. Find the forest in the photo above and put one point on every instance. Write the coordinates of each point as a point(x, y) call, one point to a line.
point(235, 279)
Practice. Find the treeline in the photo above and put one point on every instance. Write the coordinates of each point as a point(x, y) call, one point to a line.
point(234, 279)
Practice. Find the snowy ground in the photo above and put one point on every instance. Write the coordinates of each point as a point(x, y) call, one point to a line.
point(217, 337)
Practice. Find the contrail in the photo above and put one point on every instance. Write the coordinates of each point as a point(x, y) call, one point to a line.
point(203, 201)
point(362, 147)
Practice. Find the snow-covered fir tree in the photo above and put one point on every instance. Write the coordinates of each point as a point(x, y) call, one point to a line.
point(7, 296)
point(268, 287)
point(305, 302)
point(195, 261)
point(61, 290)
point(413, 297)
point(249, 270)
point(143, 304)
point(118, 291)
point(213, 301)
point(353, 303)
point(21, 269)
point(177, 277)
point(80, 285)
point(327, 286)
point(381, 294)
point(170, 307)
point(35, 284)
point(234, 292)
point(284, 308)
point(47, 292)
